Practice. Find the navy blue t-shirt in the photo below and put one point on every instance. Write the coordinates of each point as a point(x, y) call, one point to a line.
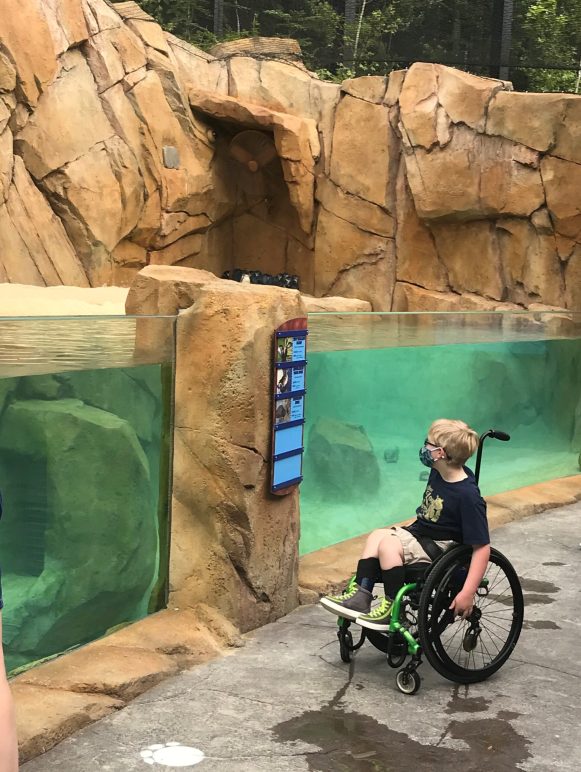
point(453, 511)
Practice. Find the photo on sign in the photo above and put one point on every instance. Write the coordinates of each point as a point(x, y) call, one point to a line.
point(283, 381)
point(282, 411)
point(284, 350)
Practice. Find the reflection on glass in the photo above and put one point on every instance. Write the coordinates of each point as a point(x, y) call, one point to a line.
point(376, 381)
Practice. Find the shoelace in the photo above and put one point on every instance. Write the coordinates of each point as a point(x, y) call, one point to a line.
point(382, 609)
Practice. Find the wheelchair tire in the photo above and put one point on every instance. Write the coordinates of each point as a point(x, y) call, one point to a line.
point(457, 649)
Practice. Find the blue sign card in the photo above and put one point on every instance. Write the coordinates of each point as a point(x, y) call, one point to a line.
point(298, 378)
point(289, 407)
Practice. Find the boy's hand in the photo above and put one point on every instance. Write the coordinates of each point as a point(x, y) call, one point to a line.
point(463, 604)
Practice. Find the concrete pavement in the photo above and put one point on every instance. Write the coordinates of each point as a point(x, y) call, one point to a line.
point(285, 702)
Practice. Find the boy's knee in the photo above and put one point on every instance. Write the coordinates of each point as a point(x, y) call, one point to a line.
point(390, 543)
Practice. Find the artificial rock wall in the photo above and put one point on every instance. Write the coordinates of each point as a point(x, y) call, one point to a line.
point(430, 189)
point(234, 545)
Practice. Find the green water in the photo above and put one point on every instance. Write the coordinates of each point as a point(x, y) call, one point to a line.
point(84, 477)
point(532, 390)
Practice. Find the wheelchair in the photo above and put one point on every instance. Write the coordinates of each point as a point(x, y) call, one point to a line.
point(464, 651)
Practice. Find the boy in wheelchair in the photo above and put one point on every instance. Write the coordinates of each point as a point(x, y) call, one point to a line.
point(452, 512)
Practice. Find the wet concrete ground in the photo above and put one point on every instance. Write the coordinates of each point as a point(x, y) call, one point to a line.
point(286, 702)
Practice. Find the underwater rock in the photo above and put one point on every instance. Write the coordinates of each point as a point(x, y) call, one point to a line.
point(77, 493)
point(40, 387)
point(342, 460)
point(391, 455)
point(122, 393)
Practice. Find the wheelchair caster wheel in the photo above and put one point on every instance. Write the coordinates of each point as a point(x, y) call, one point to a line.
point(408, 683)
point(345, 645)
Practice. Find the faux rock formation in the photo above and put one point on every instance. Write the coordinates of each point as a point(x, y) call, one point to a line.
point(115, 142)
point(342, 460)
point(234, 545)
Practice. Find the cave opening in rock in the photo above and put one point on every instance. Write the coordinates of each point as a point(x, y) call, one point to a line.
point(261, 229)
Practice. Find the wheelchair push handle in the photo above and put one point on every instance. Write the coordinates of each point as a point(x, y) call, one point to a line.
point(496, 435)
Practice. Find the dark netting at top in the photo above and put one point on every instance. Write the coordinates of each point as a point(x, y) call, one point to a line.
point(534, 43)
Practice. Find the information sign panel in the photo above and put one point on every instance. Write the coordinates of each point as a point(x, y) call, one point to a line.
point(288, 413)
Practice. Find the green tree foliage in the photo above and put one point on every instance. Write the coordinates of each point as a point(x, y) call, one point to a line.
point(191, 20)
point(551, 35)
point(382, 35)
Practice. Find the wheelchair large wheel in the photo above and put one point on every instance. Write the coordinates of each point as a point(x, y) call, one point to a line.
point(471, 650)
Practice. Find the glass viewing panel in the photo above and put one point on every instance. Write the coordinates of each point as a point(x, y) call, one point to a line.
point(377, 381)
point(85, 466)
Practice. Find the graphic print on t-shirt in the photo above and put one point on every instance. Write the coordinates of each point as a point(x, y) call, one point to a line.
point(431, 506)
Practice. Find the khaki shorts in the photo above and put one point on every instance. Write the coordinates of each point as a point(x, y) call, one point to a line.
point(413, 551)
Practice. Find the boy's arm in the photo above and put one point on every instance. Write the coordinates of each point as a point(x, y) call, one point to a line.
point(464, 601)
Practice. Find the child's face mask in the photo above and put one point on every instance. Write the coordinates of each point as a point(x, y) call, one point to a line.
point(426, 456)
point(426, 453)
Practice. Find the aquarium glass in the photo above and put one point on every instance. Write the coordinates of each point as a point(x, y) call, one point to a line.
point(376, 381)
point(85, 468)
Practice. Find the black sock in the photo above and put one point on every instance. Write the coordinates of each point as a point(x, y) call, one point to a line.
point(393, 580)
point(368, 572)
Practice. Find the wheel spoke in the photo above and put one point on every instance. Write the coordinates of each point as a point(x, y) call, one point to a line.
point(493, 633)
point(492, 582)
point(481, 642)
point(490, 636)
point(486, 622)
point(503, 613)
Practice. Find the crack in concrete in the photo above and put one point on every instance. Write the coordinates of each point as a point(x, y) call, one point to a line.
point(546, 667)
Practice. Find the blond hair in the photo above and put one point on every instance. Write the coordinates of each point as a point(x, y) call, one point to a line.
point(455, 437)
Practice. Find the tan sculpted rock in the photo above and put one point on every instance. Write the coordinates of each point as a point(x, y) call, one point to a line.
point(417, 257)
point(469, 253)
point(367, 216)
point(126, 131)
point(73, 94)
point(240, 538)
point(335, 305)
point(353, 263)
point(562, 181)
point(465, 97)
point(447, 183)
point(531, 119)
point(371, 88)
point(25, 33)
point(417, 106)
point(360, 143)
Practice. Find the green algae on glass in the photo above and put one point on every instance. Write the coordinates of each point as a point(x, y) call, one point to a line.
point(526, 387)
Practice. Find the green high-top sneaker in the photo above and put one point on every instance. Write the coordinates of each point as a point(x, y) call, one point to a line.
point(351, 604)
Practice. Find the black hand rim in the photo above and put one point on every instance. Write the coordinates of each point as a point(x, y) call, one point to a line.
point(503, 627)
